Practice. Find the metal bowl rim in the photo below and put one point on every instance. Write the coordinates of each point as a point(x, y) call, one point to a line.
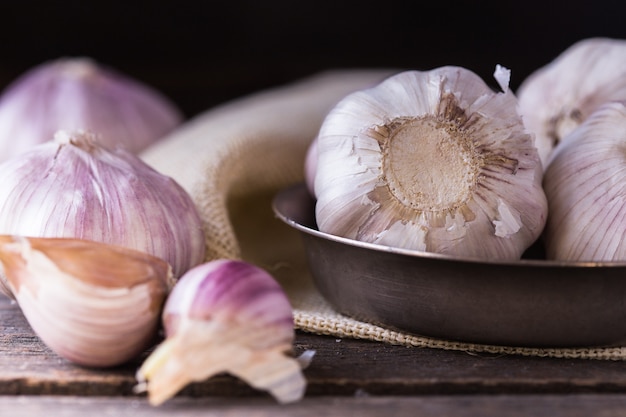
point(524, 263)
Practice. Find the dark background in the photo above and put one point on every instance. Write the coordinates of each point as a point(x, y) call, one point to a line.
point(202, 53)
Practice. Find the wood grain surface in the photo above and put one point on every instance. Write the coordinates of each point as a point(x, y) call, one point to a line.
point(361, 376)
point(423, 406)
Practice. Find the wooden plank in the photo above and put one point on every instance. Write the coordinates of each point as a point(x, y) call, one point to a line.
point(363, 406)
point(342, 367)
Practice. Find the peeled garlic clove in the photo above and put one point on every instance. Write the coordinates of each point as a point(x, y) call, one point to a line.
point(94, 304)
point(225, 316)
point(73, 186)
point(79, 93)
point(433, 161)
point(586, 187)
point(558, 97)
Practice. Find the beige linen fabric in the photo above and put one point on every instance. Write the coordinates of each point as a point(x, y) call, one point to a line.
point(234, 158)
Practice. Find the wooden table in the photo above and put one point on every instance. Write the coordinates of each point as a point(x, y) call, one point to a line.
point(347, 377)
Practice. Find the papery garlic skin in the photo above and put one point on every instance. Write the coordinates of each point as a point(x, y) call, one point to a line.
point(558, 97)
point(310, 166)
point(81, 94)
point(432, 161)
point(586, 188)
point(225, 316)
point(96, 305)
point(74, 187)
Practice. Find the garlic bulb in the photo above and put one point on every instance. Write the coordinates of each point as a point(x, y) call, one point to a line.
point(432, 161)
point(558, 97)
point(79, 93)
point(310, 166)
point(225, 316)
point(586, 188)
point(93, 304)
point(74, 187)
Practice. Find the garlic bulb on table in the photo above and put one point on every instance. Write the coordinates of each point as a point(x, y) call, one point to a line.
point(586, 188)
point(558, 97)
point(433, 161)
point(225, 316)
point(73, 186)
point(79, 93)
point(94, 304)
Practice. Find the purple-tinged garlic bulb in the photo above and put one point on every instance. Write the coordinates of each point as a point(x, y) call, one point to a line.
point(432, 161)
point(586, 188)
point(94, 304)
point(80, 94)
point(558, 97)
point(74, 187)
point(225, 316)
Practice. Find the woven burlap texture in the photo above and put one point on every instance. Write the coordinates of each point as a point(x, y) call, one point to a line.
point(234, 158)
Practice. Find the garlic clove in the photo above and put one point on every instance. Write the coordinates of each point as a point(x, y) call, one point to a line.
point(433, 161)
point(225, 316)
point(82, 94)
point(94, 304)
point(558, 97)
point(73, 186)
point(586, 187)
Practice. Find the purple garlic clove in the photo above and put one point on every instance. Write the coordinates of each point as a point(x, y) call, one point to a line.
point(225, 316)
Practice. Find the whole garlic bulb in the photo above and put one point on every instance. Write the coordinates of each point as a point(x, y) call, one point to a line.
point(94, 304)
point(558, 97)
point(433, 161)
point(310, 166)
point(81, 94)
point(73, 186)
point(586, 188)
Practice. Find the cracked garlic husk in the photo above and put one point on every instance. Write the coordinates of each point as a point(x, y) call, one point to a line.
point(225, 316)
point(72, 186)
point(80, 93)
point(558, 97)
point(433, 161)
point(94, 304)
point(586, 188)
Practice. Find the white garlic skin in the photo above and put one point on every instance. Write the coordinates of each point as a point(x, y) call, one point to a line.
point(310, 166)
point(74, 187)
point(586, 188)
point(493, 207)
point(558, 97)
point(81, 94)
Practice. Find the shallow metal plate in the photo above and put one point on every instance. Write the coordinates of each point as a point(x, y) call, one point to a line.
point(531, 302)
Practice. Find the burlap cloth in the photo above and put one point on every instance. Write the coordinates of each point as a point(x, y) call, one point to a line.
point(234, 158)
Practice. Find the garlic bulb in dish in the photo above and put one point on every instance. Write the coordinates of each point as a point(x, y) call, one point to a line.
point(433, 161)
point(558, 97)
point(586, 188)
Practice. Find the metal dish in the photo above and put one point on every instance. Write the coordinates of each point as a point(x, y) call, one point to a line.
point(531, 302)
